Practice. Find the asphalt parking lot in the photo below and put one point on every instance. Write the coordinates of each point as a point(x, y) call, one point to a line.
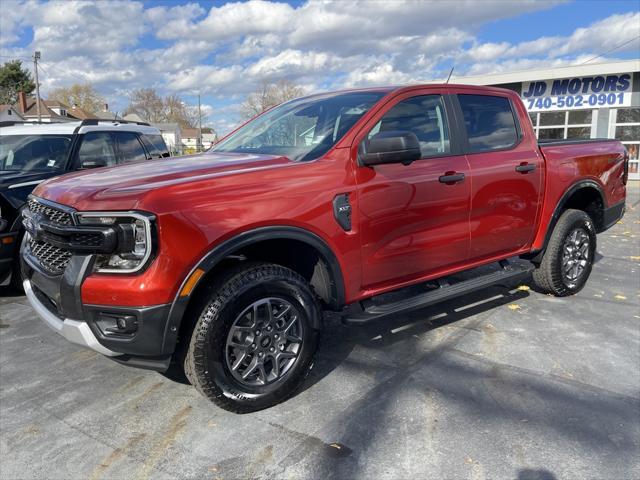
point(506, 383)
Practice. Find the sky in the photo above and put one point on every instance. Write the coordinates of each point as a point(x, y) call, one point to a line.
point(225, 50)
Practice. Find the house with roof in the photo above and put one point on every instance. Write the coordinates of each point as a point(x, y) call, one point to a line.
point(27, 107)
point(80, 114)
point(209, 137)
point(190, 140)
point(172, 136)
point(56, 107)
point(106, 114)
point(133, 117)
point(194, 140)
point(9, 114)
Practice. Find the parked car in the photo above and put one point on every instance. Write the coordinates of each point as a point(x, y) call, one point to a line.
point(33, 152)
point(331, 202)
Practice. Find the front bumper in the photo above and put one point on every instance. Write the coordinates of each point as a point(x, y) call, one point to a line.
point(73, 330)
point(57, 300)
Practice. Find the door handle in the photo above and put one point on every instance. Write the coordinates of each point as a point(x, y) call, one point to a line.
point(451, 178)
point(525, 167)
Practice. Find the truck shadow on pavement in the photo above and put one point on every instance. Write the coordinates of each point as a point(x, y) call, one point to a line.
point(438, 379)
point(338, 340)
point(530, 474)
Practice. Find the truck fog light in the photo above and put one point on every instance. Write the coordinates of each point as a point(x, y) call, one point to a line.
point(114, 323)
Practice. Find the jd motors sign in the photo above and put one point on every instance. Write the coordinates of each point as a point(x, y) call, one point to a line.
point(577, 93)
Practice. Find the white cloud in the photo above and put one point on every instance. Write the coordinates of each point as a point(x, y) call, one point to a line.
point(12, 20)
point(166, 21)
point(600, 36)
point(380, 74)
point(228, 50)
point(291, 63)
point(206, 78)
point(232, 20)
point(79, 27)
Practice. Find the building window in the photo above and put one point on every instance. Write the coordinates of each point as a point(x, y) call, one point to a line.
point(563, 124)
point(625, 126)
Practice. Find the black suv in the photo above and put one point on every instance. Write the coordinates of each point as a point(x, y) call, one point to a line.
point(33, 152)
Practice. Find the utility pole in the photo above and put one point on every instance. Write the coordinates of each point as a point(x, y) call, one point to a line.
point(199, 122)
point(36, 57)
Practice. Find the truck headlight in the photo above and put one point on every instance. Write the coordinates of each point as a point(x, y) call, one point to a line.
point(135, 240)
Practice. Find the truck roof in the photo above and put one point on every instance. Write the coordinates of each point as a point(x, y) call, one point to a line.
point(69, 128)
point(406, 88)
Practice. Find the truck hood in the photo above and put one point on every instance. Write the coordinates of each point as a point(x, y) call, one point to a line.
point(125, 186)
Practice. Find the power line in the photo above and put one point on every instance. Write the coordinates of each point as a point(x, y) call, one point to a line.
point(612, 50)
point(61, 70)
point(43, 69)
point(15, 57)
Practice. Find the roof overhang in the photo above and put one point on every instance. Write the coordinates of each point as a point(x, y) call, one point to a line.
point(551, 73)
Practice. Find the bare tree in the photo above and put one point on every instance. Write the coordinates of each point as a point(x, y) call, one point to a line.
point(151, 107)
point(177, 111)
point(82, 95)
point(270, 94)
point(147, 104)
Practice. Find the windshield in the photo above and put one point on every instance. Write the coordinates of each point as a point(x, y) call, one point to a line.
point(302, 129)
point(34, 153)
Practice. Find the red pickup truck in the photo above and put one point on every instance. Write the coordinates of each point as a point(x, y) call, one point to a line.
point(227, 261)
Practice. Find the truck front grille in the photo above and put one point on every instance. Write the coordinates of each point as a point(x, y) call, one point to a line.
point(50, 213)
point(53, 259)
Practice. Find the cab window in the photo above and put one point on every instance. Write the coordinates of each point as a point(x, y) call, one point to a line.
point(425, 117)
point(489, 121)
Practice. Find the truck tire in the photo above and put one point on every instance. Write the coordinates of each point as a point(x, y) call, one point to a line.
point(254, 340)
point(568, 259)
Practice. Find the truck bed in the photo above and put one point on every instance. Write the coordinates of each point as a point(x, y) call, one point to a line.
point(554, 142)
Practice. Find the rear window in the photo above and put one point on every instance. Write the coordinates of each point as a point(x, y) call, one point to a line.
point(155, 145)
point(489, 121)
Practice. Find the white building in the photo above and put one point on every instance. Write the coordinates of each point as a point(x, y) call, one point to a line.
point(191, 140)
point(599, 100)
point(9, 114)
point(209, 139)
point(171, 134)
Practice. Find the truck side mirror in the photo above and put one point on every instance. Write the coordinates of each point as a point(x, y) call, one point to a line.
point(93, 163)
point(390, 147)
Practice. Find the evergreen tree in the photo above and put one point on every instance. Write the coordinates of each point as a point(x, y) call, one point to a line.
point(13, 79)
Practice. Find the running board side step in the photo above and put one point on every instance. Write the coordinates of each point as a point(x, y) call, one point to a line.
point(507, 273)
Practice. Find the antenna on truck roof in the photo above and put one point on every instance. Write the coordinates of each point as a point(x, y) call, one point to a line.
point(449, 77)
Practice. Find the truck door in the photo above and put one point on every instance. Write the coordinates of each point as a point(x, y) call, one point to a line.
point(414, 219)
point(507, 175)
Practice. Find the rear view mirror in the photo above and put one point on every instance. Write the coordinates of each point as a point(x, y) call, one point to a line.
point(93, 163)
point(390, 147)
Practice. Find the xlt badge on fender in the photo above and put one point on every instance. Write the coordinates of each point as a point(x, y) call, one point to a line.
point(342, 211)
